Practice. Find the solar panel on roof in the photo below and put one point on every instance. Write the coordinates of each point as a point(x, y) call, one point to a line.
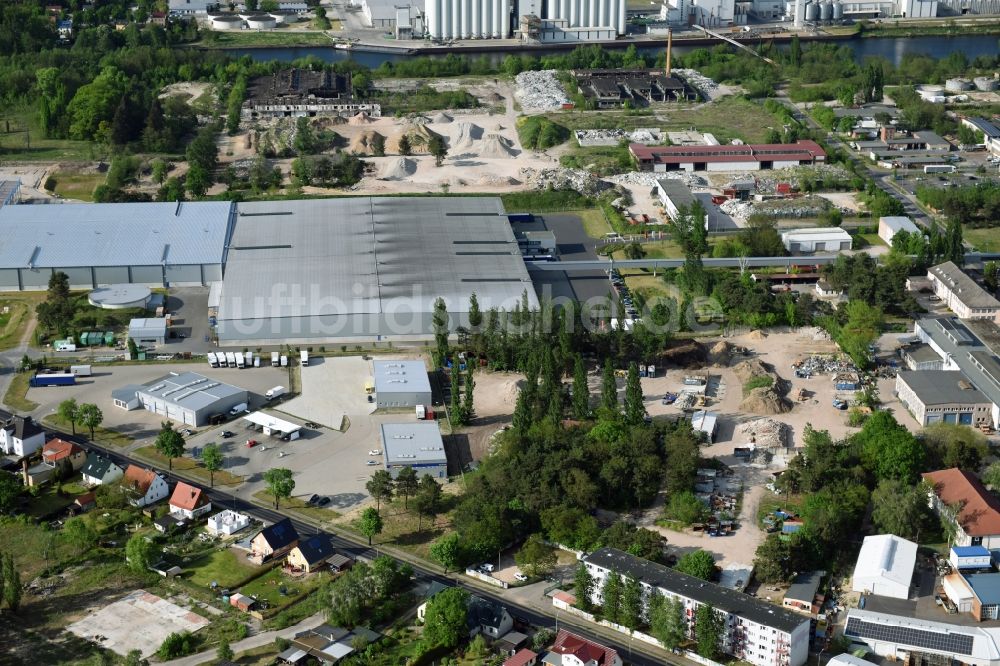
point(922, 638)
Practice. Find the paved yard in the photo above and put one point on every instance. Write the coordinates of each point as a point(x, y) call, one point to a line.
point(333, 388)
point(140, 621)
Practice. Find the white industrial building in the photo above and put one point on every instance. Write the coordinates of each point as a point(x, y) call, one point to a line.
point(885, 566)
point(707, 13)
point(756, 631)
point(803, 11)
point(906, 639)
point(962, 294)
point(888, 227)
point(482, 19)
point(187, 398)
point(148, 331)
point(400, 383)
point(819, 239)
point(161, 244)
point(365, 269)
point(416, 444)
point(191, 7)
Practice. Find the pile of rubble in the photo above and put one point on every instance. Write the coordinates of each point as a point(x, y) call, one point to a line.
point(824, 365)
point(647, 179)
point(702, 84)
point(612, 137)
point(765, 433)
point(829, 173)
point(736, 209)
point(540, 90)
point(557, 178)
point(809, 206)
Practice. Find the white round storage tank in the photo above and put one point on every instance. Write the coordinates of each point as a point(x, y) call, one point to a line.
point(985, 83)
point(261, 22)
point(838, 11)
point(433, 19)
point(812, 11)
point(246, 15)
point(120, 296)
point(282, 17)
point(826, 11)
point(957, 85)
point(227, 22)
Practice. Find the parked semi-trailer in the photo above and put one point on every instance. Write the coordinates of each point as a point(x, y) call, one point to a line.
point(53, 379)
point(275, 361)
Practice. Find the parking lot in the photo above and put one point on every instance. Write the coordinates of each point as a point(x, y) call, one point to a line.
point(138, 423)
point(329, 407)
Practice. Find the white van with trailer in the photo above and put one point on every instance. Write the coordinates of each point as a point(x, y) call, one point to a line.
point(231, 359)
point(212, 361)
point(64, 345)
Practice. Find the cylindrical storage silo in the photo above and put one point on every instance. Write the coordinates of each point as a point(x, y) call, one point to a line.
point(812, 11)
point(621, 16)
point(466, 18)
point(453, 20)
point(476, 31)
point(826, 11)
point(985, 83)
point(957, 85)
point(505, 19)
point(574, 12)
point(838, 11)
point(602, 12)
point(495, 24)
point(431, 17)
point(261, 22)
point(227, 22)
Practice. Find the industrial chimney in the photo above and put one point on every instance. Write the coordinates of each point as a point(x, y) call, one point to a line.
point(670, 43)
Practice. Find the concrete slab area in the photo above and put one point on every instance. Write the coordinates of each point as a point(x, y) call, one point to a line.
point(332, 388)
point(140, 621)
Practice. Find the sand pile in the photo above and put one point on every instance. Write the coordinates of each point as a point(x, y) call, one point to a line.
point(399, 169)
point(466, 136)
point(419, 136)
point(441, 117)
point(765, 400)
point(496, 146)
point(328, 121)
point(360, 119)
point(498, 181)
point(364, 142)
point(719, 353)
point(757, 335)
point(747, 370)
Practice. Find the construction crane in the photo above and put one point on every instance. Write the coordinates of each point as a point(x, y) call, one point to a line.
point(735, 43)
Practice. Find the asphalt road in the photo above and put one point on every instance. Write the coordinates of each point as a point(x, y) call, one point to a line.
point(637, 653)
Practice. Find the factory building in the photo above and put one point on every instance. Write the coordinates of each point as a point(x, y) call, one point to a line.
point(962, 294)
point(187, 398)
point(484, 19)
point(155, 244)
point(417, 445)
point(816, 239)
point(366, 269)
point(295, 93)
point(936, 396)
point(747, 157)
point(400, 383)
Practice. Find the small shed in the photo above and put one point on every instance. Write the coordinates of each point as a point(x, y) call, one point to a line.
point(148, 331)
point(339, 562)
point(964, 558)
point(242, 602)
point(846, 381)
point(706, 423)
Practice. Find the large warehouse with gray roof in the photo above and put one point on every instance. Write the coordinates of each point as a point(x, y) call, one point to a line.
point(365, 268)
point(155, 244)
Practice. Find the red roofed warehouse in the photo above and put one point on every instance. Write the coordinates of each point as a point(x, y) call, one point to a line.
point(576, 650)
point(189, 502)
point(748, 157)
point(978, 520)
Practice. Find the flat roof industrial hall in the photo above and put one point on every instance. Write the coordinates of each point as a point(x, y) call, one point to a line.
point(365, 268)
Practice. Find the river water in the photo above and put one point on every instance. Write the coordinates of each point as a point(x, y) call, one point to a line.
point(891, 48)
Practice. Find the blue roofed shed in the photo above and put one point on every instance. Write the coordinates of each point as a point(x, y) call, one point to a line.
point(986, 588)
point(970, 557)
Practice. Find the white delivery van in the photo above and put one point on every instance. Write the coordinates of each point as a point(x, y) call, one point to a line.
point(274, 359)
point(81, 370)
point(239, 360)
point(284, 361)
point(304, 357)
point(275, 392)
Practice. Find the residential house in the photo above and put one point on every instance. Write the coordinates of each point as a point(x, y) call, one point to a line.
point(98, 470)
point(228, 522)
point(21, 436)
point(273, 542)
point(803, 594)
point(484, 616)
point(326, 644)
point(146, 486)
point(189, 502)
point(56, 450)
point(977, 520)
point(573, 650)
point(311, 554)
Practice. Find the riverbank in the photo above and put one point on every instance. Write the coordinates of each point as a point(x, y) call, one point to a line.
point(950, 27)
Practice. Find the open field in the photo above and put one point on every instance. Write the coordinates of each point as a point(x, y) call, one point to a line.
point(984, 239)
point(78, 186)
point(400, 526)
point(17, 317)
point(23, 146)
point(279, 37)
point(226, 567)
point(279, 589)
point(101, 435)
point(595, 224)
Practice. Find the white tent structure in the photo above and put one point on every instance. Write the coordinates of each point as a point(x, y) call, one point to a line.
point(885, 566)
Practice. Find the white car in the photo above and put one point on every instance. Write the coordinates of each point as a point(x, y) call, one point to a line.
point(371, 463)
point(520, 577)
point(375, 452)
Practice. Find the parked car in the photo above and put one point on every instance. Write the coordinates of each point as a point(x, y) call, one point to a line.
point(251, 443)
point(375, 452)
point(323, 501)
point(839, 404)
point(371, 463)
point(187, 432)
point(226, 434)
point(520, 577)
point(312, 500)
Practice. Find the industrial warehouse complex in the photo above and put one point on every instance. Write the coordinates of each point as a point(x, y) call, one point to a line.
point(187, 398)
point(365, 269)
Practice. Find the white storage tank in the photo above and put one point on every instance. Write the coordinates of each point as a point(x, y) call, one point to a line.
point(826, 11)
point(957, 85)
point(838, 11)
point(227, 22)
point(261, 22)
point(281, 17)
point(812, 11)
point(985, 83)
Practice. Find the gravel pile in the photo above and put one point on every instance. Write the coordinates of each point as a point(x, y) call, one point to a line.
point(611, 137)
point(582, 181)
point(738, 210)
point(765, 433)
point(649, 179)
point(540, 90)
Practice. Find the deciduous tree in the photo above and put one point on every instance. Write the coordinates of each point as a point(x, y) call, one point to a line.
point(370, 523)
point(90, 416)
point(212, 460)
point(536, 558)
point(380, 487)
point(407, 484)
point(697, 563)
point(68, 411)
point(169, 443)
point(447, 551)
point(139, 551)
point(279, 483)
point(445, 620)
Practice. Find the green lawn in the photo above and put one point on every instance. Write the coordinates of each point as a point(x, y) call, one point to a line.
point(595, 224)
point(49, 501)
point(17, 391)
point(771, 502)
point(224, 567)
point(666, 249)
point(279, 589)
point(985, 239)
point(17, 146)
point(101, 435)
point(16, 318)
point(278, 37)
point(299, 506)
point(189, 466)
point(400, 527)
point(77, 185)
